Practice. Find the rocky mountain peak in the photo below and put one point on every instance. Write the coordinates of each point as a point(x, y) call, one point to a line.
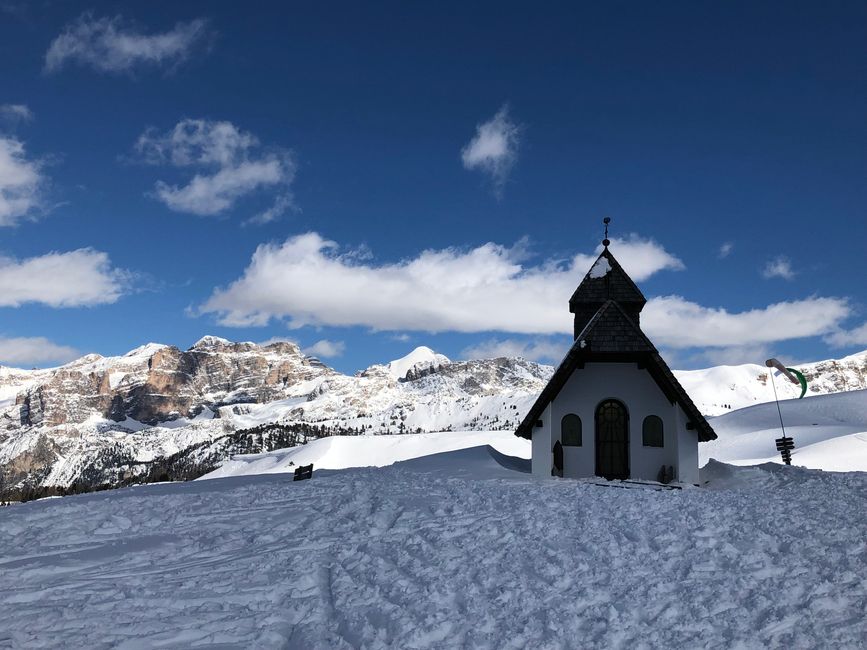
point(421, 358)
point(209, 342)
point(145, 350)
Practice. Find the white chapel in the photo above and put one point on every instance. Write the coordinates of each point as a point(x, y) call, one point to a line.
point(613, 408)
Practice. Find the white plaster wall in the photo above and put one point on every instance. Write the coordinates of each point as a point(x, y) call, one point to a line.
point(542, 447)
point(687, 451)
point(583, 392)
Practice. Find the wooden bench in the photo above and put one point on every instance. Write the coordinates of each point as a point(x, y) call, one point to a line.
point(303, 472)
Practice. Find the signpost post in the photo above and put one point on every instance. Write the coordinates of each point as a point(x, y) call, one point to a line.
point(786, 444)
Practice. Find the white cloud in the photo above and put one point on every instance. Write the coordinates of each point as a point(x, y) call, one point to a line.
point(326, 349)
point(536, 350)
point(734, 355)
point(78, 278)
point(111, 45)
point(842, 338)
point(779, 267)
point(675, 322)
point(208, 195)
point(34, 350)
point(14, 113)
point(494, 149)
point(725, 250)
point(232, 165)
point(22, 183)
point(310, 281)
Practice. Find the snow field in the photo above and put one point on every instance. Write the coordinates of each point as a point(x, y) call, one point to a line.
point(341, 452)
point(830, 433)
point(445, 551)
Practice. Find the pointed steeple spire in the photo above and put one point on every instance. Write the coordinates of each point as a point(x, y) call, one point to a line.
point(606, 280)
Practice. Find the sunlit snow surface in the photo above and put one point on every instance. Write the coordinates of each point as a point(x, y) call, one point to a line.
point(830, 433)
point(460, 549)
point(341, 452)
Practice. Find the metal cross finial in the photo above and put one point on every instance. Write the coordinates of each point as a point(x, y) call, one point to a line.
point(605, 241)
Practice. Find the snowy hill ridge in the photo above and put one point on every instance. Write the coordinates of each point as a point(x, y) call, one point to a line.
point(721, 389)
point(105, 420)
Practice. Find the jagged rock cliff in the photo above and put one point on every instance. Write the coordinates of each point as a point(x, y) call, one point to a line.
point(104, 419)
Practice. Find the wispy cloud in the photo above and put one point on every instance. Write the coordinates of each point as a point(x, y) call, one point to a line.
point(111, 44)
point(79, 278)
point(13, 114)
point(843, 338)
point(22, 183)
point(326, 349)
point(232, 164)
point(534, 350)
point(310, 280)
point(282, 204)
point(494, 149)
point(34, 350)
point(725, 250)
point(779, 267)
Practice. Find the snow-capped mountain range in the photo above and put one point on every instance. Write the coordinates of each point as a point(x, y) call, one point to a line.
point(106, 420)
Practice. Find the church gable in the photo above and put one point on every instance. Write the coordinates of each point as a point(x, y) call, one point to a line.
point(611, 336)
point(611, 333)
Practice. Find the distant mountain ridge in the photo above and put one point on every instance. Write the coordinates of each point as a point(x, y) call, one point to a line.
point(721, 389)
point(158, 409)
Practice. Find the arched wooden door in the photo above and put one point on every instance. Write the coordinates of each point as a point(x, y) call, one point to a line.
point(612, 440)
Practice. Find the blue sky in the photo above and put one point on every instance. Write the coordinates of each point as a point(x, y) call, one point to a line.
point(364, 179)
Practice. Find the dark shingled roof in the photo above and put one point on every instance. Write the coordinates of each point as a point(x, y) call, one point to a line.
point(612, 336)
point(614, 285)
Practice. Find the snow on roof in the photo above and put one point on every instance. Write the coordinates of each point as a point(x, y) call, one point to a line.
point(601, 268)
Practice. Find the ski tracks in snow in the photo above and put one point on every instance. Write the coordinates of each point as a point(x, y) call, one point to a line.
point(399, 558)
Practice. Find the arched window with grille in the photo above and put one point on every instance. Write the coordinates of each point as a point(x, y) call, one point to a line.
point(570, 430)
point(652, 432)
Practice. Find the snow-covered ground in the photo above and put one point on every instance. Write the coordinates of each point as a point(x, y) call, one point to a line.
point(830, 433)
point(459, 549)
point(341, 452)
point(444, 540)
